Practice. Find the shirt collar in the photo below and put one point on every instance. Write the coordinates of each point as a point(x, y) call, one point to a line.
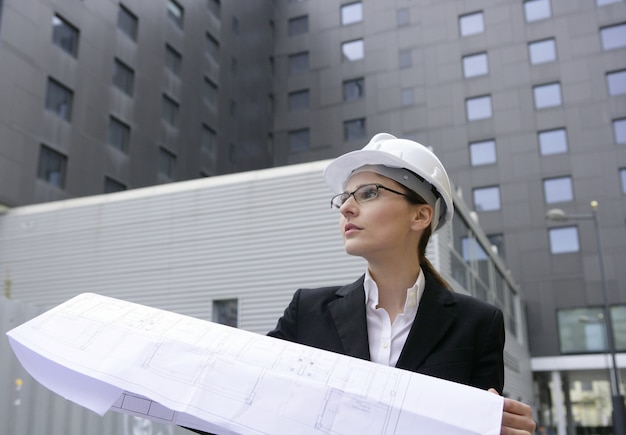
point(413, 294)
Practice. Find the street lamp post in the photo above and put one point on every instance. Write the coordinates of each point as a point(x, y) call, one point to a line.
point(619, 413)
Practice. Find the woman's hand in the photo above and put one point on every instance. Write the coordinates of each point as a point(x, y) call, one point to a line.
point(517, 417)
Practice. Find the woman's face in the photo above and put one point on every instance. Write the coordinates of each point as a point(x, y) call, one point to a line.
point(385, 227)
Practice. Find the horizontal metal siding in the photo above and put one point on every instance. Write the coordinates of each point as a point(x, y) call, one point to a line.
point(257, 238)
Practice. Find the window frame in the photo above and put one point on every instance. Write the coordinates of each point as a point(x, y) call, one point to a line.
point(537, 52)
point(127, 22)
point(299, 100)
point(545, 95)
point(298, 25)
point(61, 31)
point(47, 168)
point(561, 231)
point(616, 82)
point(354, 129)
point(613, 37)
point(357, 84)
point(464, 30)
point(475, 65)
point(118, 128)
point(619, 130)
point(544, 147)
point(170, 110)
point(554, 192)
point(477, 156)
point(532, 13)
point(175, 13)
point(61, 107)
point(474, 104)
point(298, 63)
point(123, 77)
point(493, 190)
point(344, 9)
point(353, 50)
point(299, 140)
point(167, 163)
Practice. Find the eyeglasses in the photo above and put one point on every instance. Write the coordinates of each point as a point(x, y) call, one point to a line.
point(364, 193)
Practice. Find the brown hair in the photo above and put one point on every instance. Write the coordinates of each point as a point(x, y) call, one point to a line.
point(425, 264)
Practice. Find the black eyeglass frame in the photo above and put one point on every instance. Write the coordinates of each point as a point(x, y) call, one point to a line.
point(347, 194)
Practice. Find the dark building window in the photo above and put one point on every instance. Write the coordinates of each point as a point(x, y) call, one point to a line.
point(215, 7)
point(127, 22)
point(354, 129)
point(173, 60)
point(299, 140)
point(299, 100)
point(52, 166)
point(298, 25)
point(59, 99)
point(208, 142)
point(169, 111)
point(119, 134)
point(225, 312)
point(176, 13)
point(123, 77)
point(212, 47)
point(111, 185)
point(167, 163)
point(298, 62)
point(65, 35)
point(353, 89)
point(210, 92)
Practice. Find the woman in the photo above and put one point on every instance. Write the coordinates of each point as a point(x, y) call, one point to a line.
point(401, 312)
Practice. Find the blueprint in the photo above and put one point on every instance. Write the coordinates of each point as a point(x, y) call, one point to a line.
point(109, 354)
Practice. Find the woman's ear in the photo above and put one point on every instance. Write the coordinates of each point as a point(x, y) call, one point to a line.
point(422, 217)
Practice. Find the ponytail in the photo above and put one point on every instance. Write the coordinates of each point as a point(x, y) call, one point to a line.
point(425, 264)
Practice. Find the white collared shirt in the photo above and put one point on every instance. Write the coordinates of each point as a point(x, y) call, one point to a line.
point(386, 340)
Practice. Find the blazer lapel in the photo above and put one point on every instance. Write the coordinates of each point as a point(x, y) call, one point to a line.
point(348, 312)
point(434, 316)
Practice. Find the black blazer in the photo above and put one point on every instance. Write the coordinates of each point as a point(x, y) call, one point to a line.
point(454, 336)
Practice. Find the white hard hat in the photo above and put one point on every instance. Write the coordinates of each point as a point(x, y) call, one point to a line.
point(387, 151)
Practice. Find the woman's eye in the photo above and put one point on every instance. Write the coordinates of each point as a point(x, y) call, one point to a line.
point(368, 193)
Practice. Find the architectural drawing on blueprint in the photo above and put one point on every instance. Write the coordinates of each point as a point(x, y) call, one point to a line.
point(178, 369)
